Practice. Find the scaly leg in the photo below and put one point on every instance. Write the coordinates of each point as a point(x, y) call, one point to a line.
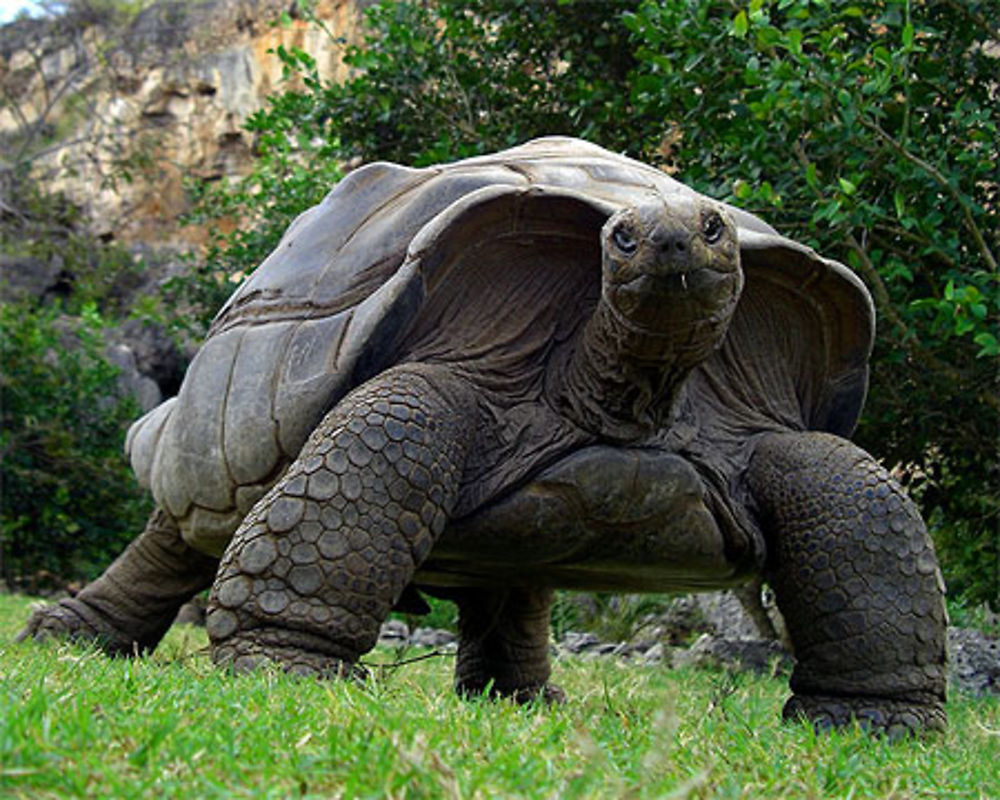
point(132, 604)
point(320, 560)
point(504, 644)
point(856, 579)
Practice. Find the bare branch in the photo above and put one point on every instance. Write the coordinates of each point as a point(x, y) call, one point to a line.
point(942, 181)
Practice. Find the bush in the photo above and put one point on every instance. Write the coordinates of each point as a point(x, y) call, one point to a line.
point(68, 499)
point(868, 129)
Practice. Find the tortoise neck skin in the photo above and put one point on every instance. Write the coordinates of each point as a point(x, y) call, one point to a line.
point(671, 279)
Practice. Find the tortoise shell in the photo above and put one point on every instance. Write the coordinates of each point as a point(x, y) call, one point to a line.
point(486, 264)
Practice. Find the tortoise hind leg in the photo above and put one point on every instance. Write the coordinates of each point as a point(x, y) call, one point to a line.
point(131, 605)
point(320, 560)
point(855, 577)
point(504, 644)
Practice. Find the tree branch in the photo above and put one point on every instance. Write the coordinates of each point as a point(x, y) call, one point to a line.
point(909, 339)
point(942, 181)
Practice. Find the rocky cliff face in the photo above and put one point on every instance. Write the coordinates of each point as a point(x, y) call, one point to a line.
point(117, 113)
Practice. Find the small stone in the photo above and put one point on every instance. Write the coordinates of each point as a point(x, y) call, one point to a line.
point(394, 631)
point(654, 655)
point(429, 637)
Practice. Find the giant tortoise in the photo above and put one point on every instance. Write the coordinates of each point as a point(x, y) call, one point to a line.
point(550, 367)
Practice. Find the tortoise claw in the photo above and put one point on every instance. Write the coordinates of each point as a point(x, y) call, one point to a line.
point(70, 620)
point(895, 719)
point(251, 650)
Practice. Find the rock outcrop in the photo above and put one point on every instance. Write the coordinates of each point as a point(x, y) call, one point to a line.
point(125, 111)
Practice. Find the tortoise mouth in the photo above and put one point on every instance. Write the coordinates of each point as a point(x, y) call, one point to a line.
point(664, 302)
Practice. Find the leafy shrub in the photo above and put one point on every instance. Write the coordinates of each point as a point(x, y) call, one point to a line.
point(868, 129)
point(68, 499)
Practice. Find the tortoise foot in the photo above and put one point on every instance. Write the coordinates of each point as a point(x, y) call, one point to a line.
point(72, 620)
point(549, 694)
point(895, 719)
point(250, 650)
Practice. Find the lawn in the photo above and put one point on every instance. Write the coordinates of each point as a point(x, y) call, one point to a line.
point(74, 723)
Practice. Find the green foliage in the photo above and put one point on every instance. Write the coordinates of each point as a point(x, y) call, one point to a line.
point(47, 229)
point(172, 726)
point(68, 501)
point(867, 129)
point(438, 81)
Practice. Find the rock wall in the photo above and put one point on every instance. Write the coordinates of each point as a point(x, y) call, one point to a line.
point(153, 100)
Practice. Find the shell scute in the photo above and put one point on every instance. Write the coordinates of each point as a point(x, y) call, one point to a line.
point(250, 431)
point(198, 442)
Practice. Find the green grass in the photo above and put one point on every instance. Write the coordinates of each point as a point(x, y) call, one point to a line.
point(74, 723)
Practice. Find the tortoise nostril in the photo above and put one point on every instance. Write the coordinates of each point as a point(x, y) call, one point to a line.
point(676, 244)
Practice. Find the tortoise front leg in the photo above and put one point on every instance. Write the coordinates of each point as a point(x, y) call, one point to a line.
point(321, 559)
point(855, 577)
point(504, 644)
point(131, 605)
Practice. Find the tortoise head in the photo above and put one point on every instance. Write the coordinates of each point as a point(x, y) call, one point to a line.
point(671, 278)
point(671, 269)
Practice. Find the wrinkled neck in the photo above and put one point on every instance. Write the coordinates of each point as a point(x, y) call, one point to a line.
point(622, 383)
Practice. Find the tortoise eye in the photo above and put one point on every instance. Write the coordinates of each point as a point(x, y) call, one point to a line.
point(625, 240)
point(712, 227)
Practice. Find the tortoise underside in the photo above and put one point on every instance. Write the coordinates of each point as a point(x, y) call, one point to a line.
point(601, 519)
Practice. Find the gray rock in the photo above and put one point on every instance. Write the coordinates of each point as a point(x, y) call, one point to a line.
point(394, 632)
point(192, 613)
point(974, 661)
point(156, 354)
point(429, 637)
point(655, 654)
point(575, 642)
point(23, 277)
point(144, 389)
point(761, 656)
